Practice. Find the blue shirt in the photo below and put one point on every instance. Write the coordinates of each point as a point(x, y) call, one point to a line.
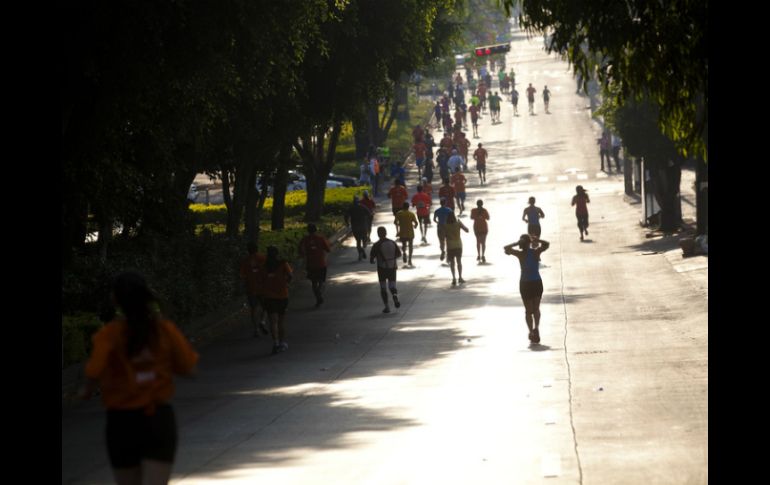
point(529, 267)
point(442, 213)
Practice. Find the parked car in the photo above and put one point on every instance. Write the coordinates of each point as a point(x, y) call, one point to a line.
point(345, 180)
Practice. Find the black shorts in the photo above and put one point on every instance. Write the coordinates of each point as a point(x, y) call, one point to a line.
point(531, 289)
point(358, 234)
point(276, 305)
point(424, 220)
point(582, 220)
point(317, 274)
point(254, 301)
point(386, 274)
point(454, 253)
point(533, 229)
point(133, 436)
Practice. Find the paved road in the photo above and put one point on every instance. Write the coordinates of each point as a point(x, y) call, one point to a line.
point(447, 389)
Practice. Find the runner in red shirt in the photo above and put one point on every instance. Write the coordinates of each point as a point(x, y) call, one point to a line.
point(480, 216)
point(253, 280)
point(398, 196)
point(313, 248)
point(447, 192)
point(480, 155)
point(422, 201)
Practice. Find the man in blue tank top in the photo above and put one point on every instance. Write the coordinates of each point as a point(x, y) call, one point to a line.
point(530, 283)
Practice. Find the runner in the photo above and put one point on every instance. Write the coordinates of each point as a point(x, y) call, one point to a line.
point(480, 155)
point(531, 98)
point(406, 222)
point(397, 195)
point(386, 252)
point(253, 281)
point(515, 102)
point(474, 120)
point(480, 216)
point(420, 154)
point(440, 217)
point(530, 283)
point(357, 218)
point(278, 275)
point(313, 248)
point(371, 206)
point(454, 246)
point(458, 184)
point(580, 200)
point(546, 98)
point(532, 216)
point(447, 192)
point(422, 202)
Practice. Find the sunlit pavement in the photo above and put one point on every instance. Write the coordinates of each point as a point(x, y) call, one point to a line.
point(447, 388)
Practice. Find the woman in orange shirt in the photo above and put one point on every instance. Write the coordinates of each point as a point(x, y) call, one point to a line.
point(277, 277)
point(480, 216)
point(133, 360)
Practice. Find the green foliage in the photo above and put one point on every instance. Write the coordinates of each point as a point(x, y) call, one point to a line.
point(77, 330)
point(645, 48)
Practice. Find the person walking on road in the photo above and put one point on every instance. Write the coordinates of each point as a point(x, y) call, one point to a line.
point(546, 98)
point(133, 361)
point(252, 278)
point(581, 201)
point(386, 252)
point(406, 223)
point(313, 248)
point(532, 215)
point(480, 216)
point(454, 246)
point(530, 283)
point(605, 143)
point(278, 275)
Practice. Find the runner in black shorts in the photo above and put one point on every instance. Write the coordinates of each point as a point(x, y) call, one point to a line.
point(386, 252)
point(530, 283)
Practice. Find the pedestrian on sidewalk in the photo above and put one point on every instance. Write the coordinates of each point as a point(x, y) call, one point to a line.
point(480, 216)
point(313, 248)
point(532, 215)
point(616, 144)
point(357, 218)
point(133, 360)
point(580, 200)
point(530, 282)
point(253, 281)
point(604, 149)
point(406, 223)
point(278, 275)
point(386, 252)
point(454, 246)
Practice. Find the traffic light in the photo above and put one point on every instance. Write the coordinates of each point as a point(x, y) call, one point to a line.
point(492, 49)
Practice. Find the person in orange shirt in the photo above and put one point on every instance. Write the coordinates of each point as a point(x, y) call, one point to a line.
point(134, 359)
point(480, 216)
point(398, 196)
point(458, 183)
point(448, 193)
point(422, 201)
point(420, 153)
point(480, 155)
point(278, 275)
point(313, 248)
point(252, 280)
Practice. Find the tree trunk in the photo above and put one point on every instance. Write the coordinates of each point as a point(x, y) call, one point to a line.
point(251, 226)
point(668, 176)
point(279, 194)
point(226, 188)
point(235, 212)
point(701, 197)
point(105, 236)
